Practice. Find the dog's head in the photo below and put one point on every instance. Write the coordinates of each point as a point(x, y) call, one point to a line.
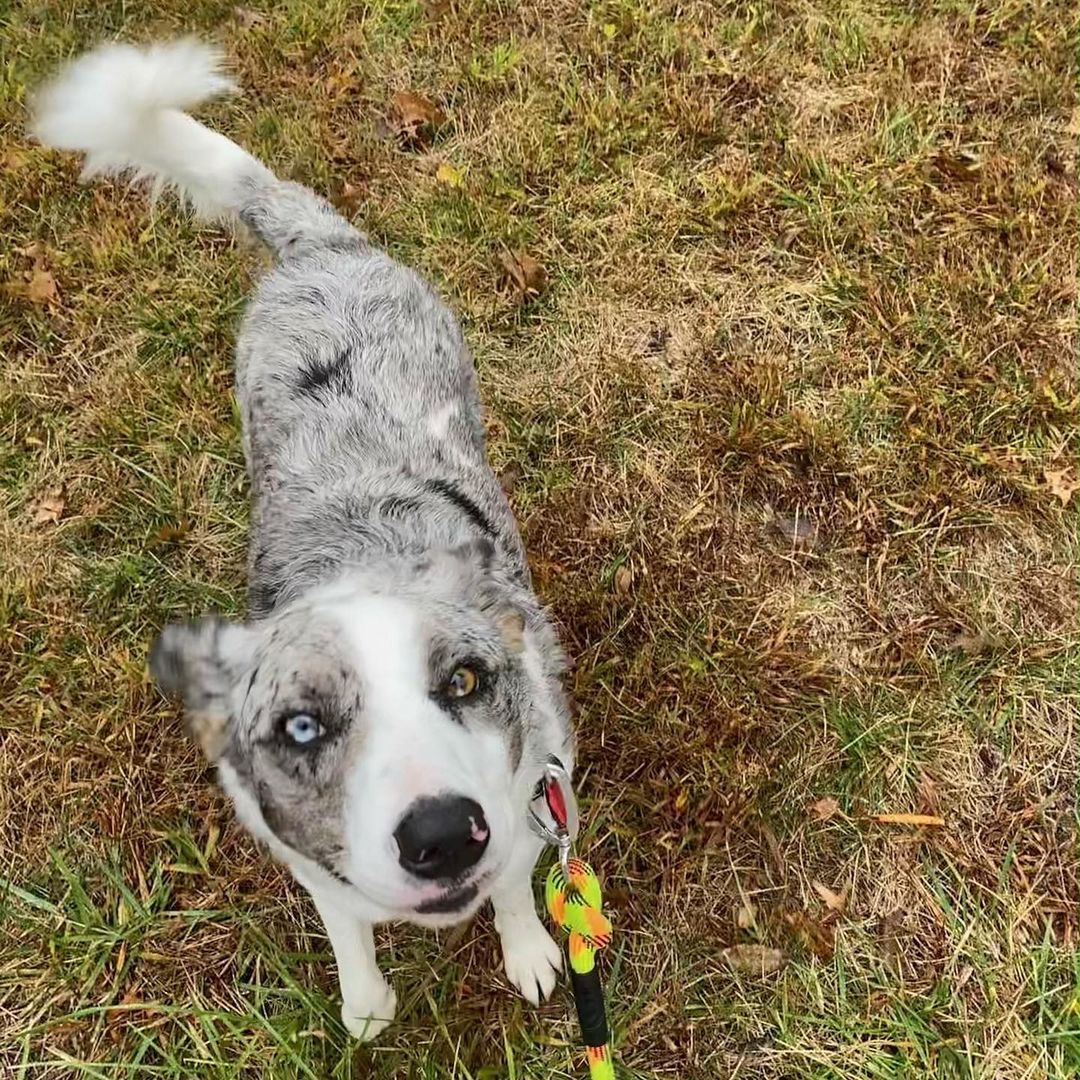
point(377, 727)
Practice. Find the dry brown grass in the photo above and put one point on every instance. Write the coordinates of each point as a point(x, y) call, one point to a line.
point(780, 426)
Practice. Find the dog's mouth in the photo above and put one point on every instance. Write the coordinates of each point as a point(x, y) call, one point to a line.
point(449, 902)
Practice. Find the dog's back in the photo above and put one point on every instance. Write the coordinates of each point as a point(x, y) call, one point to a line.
point(362, 424)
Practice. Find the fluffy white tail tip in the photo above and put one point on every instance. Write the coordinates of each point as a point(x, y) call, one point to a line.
point(100, 101)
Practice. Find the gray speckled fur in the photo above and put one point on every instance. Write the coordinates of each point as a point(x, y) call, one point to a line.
point(344, 358)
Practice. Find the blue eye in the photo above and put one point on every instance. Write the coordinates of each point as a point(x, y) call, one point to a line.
point(303, 729)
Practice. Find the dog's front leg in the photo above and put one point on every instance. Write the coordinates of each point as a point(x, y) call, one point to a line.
point(531, 958)
point(367, 1000)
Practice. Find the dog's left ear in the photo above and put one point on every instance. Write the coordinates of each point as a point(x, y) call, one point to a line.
point(200, 662)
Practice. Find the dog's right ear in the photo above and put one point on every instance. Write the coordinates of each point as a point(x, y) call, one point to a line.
point(200, 662)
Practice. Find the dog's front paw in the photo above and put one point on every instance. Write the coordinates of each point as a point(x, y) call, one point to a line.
point(532, 959)
point(366, 1018)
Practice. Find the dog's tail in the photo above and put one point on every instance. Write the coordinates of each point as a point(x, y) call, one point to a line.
point(122, 106)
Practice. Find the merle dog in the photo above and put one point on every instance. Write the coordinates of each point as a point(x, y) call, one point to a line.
point(381, 720)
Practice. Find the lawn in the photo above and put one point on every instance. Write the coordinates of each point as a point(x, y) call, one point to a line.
point(790, 425)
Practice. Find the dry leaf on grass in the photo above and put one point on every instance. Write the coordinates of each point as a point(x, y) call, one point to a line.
point(350, 198)
point(414, 119)
point(816, 937)
point(624, 579)
point(50, 507)
point(825, 808)
point(973, 644)
point(510, 476)
point(42, 287)
point(959, 165)
point(754, 959)
point(38, 286)
point(909, 819)
point(524, 273)
point(169, 534)
point(448, 175)
point(247, 17)
point(834, 901)
point(1062, 483)
point(745, 917)
point(797, 530)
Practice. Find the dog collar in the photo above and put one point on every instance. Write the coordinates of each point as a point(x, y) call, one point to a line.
point(553, 811)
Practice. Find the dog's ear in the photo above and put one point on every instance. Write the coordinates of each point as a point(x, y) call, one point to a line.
point(200, 662)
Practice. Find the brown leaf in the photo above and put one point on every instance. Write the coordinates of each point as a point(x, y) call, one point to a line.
point(960, 165)
point(42, 287)
point(817, 938)
point(1062, 483)
point(798, 530)
point(170, 534)
point(624, 578)
point(909, 819)
point(414, 119)
point(754, 959)
point(973, 644)
point(510, 476)
point(928, 794)
point(526, 275)
point(350, 197)
point(50, 507)
point(832, 900)
point(247, 17)
point(825, 808)
point(745, 917)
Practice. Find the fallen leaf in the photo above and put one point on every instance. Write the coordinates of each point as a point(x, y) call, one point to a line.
point(414, 119)
point(909, 819)
point(248, 18)
point(13, 160)
point(42, 288)
point(832, 900)
point(816, 937)
point(973, 644)
point(745, 917)
point(682, 800)
point(753, 959)
point(624, 578)
point(798, 530)
point(928, 794)
point(825, 808)
point(169, 534)
point(436, 9)
point(350, 197)
point(510, 476)
point(50, 507)
point(447, 174)
point(960, 165)
point(526, 275)
point(1062, 483)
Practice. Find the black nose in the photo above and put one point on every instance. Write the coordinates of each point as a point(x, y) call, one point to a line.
point(441, 838)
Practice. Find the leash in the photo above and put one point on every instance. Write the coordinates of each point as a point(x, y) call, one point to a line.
point(575, 903)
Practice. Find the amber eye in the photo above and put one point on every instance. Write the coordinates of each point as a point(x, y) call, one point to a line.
point(462, 683)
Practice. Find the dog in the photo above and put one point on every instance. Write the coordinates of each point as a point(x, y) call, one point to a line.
point(382, 719)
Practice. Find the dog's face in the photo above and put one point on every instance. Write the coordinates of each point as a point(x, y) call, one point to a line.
point(377, 727)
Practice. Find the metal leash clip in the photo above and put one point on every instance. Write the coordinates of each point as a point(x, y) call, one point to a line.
point(553, 812)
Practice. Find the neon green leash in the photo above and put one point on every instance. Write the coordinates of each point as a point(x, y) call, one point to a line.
point(575, 902)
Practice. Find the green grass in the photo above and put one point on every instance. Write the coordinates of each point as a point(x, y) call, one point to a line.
point(808, 261)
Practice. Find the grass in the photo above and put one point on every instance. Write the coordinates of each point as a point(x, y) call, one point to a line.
point(784, 426)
